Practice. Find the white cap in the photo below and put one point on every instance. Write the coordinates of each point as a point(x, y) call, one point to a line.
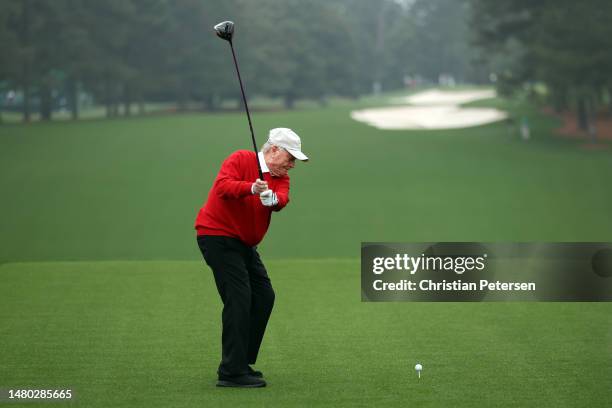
point(288, 140)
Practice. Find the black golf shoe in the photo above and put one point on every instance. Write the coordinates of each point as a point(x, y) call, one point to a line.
point(255, 373)
point(240, 381)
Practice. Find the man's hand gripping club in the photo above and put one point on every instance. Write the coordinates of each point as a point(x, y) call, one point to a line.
point(268, 197)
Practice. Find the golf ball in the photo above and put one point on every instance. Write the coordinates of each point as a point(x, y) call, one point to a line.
point(418, 367)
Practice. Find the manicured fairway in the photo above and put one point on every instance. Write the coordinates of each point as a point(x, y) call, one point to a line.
point(142, 334)
point(103, 288)
point(130, 189)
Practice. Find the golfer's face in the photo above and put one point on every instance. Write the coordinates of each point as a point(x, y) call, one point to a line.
point(281, 162)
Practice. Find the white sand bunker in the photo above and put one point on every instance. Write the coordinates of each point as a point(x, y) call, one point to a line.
point(433, 109)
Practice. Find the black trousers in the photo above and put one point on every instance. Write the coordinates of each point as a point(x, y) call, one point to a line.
point(247, 295)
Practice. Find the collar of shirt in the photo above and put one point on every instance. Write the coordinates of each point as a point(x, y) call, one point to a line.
point(262, 163)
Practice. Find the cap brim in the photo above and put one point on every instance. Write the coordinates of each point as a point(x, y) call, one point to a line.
point(298, 154)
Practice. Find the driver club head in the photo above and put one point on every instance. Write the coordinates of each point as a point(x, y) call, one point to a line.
point(225, 30)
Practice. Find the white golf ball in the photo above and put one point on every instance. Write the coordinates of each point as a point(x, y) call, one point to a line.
point(418, 367)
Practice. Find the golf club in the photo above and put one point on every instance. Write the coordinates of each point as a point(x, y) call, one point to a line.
point(225, 31)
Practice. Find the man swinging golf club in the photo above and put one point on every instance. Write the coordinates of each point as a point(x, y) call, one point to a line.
point(234, 219)
point(232, 222)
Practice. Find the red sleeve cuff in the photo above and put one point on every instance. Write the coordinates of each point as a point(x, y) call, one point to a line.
point(246, 188)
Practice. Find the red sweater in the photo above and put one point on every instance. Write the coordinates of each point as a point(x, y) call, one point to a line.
point(231, 210)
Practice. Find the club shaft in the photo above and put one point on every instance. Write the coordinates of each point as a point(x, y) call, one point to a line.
point(246, 106)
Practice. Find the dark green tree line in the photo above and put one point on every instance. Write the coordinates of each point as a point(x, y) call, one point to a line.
point(126, 52)
point(562, 44)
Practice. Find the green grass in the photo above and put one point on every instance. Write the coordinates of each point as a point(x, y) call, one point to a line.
point(136, 320)
point(126, 334)
point(130, 189)
point(86, 112)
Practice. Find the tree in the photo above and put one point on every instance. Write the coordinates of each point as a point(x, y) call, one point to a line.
point(566, 46)
point(306, 52)
point(9, 66)
point(18, 27)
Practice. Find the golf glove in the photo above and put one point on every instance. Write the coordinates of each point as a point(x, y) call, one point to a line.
point(259, 187)
point(268, 198)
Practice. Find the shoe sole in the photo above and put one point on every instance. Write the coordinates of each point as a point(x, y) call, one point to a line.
point(236, 385)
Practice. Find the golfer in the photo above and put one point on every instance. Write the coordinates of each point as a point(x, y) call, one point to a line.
point(229, 226)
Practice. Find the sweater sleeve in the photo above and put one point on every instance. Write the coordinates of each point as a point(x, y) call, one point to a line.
point(229, 183)
point(282, 193)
